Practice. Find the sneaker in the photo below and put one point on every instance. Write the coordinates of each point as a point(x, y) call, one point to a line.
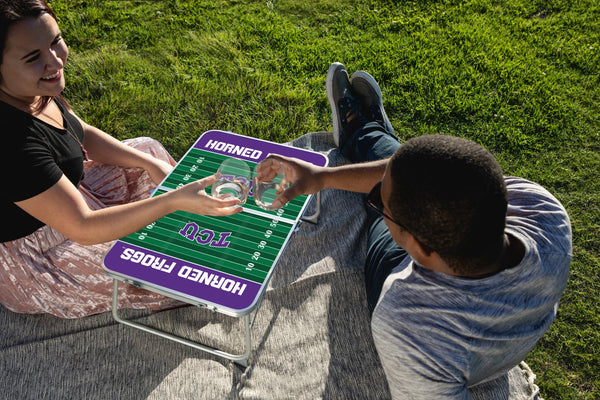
point(344, 106)
point(368, 91)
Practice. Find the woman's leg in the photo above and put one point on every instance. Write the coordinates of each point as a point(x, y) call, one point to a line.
point(47, 273)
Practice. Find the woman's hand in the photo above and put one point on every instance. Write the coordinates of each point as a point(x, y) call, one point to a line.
point(193, 198)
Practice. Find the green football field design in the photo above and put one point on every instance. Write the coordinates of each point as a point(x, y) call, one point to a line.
point(253, 238)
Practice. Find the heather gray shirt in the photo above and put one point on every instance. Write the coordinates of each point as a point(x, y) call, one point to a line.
point(438, 335)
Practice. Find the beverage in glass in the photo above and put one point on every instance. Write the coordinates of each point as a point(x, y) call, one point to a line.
point(269, 181)
point(233, 180)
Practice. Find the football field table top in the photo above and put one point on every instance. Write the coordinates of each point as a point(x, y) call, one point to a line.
point(223, 263)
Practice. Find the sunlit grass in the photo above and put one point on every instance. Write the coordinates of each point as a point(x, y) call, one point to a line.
point(520, 77)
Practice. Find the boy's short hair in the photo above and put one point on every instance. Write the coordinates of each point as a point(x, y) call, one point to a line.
point(450, 195)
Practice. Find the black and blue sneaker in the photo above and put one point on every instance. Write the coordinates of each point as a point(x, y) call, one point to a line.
point(368, 92)
point(344, 105)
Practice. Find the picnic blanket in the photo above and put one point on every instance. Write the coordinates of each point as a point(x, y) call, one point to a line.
point(310, 340)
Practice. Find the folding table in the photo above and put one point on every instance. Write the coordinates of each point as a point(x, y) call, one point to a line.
point(220, 263)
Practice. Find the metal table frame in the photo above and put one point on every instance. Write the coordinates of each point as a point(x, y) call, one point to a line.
point(241, 359)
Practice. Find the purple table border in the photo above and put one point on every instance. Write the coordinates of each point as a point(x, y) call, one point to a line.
point(211, 295)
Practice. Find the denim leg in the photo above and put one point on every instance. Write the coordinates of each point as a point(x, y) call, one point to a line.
point(383, 255)
point(369, 143)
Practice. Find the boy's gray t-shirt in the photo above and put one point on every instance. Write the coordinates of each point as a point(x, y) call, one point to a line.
point(438, 335)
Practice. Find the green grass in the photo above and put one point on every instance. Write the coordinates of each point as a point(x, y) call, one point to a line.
point(521, 77)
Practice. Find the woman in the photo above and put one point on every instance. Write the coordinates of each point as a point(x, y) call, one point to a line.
point(56, 222)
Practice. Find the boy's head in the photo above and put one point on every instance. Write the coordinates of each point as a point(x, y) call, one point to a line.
point(450, 195)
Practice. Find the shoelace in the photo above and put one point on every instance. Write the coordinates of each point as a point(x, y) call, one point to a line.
point(348, 107)
point(376, 114)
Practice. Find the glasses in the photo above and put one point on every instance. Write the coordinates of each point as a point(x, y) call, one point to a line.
point(374, 201)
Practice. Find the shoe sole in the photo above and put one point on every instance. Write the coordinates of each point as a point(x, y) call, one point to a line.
point(373, 85)
point(334, 109)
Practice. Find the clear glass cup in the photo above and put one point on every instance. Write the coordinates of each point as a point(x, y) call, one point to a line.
point(233, 181)
point(268, 182)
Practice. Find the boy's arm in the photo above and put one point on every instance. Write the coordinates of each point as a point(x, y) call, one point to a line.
point(307, 178)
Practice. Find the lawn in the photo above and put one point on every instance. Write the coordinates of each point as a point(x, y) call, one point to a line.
point(521, 77)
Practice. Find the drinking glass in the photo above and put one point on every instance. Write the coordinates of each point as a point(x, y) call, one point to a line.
point(233, 180)
point(269, 181)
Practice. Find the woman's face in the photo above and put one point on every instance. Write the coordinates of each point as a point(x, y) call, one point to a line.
point(33, 60)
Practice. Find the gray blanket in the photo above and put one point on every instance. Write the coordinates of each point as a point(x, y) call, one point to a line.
point(311, 337)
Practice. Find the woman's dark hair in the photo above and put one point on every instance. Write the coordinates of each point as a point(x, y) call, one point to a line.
point(450, 195)
point(13, 11)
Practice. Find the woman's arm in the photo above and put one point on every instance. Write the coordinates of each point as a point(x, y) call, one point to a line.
point(63, 208)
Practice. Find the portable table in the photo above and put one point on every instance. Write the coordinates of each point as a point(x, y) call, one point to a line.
point(220, 263)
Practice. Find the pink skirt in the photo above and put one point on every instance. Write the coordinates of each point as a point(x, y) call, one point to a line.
point(45, 272)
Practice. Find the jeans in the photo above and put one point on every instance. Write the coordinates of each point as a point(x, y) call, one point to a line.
point(369, 143)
